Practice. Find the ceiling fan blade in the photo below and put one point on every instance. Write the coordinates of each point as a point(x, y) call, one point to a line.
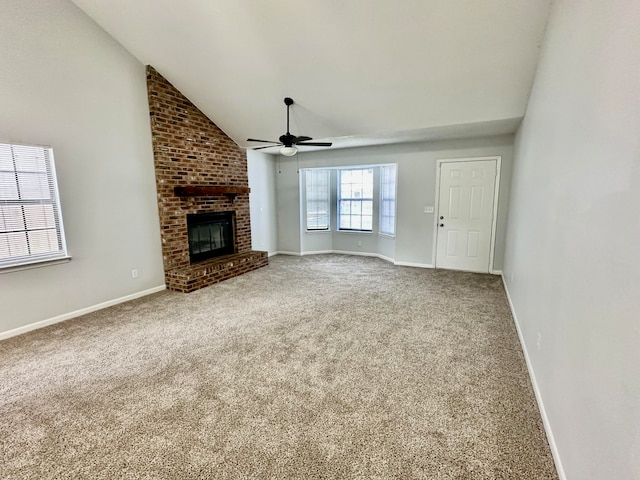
point(267, 146)
point(316, 144)
point(262, 141)
point(289, 140)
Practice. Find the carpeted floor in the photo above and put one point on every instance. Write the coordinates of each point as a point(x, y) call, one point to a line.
point(315, 367)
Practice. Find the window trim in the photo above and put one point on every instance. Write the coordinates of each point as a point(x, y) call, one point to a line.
point(306, 201)
point(382, 199)
point(339, 199)
point(44, 259)
point(34, 264)
point(334, 199)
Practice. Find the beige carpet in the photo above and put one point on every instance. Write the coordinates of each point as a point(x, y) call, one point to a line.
point(314, 367)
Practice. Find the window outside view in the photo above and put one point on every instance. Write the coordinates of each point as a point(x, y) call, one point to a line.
point(355, 199)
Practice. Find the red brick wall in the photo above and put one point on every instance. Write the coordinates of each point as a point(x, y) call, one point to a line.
point(189, 149)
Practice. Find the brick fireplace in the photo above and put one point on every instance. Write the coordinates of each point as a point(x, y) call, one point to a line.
point(199, 170)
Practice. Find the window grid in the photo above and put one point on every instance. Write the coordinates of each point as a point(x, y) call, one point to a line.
point(355, 199)
point(30, 223)
point(388, 199)
point(318, 199)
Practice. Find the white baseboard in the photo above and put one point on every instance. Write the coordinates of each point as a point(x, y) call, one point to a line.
point(77, 313)
point(386, 259)
point(495, 272)
point(543, 413)
point(347, 252)
point(365, 254)
point(284, 252)
point(412, 264)
point(360, 254)
point(316, 252)
point(337, 252)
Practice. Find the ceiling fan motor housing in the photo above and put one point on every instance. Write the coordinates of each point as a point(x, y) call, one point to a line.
point(287, 139)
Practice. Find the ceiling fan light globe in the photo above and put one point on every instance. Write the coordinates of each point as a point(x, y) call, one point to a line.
point(288, 151)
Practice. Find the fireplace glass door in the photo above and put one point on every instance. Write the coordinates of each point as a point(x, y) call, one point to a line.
point(210, 235)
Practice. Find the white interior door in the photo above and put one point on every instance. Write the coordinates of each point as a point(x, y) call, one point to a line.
point(465, 215)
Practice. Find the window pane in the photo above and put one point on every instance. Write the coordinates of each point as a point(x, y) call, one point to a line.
point(14, 245)
point(6, 157)
point(42, 241)
point(8, 186)
point(367, 183)
point(33, 186)
point(11, 218)
point(30, 159)
point(4, 247)
point(345, 222)
point(346, 190)
point(39, 216)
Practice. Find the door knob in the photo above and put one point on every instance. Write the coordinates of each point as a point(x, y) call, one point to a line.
point(442, 224)
point(441, 217)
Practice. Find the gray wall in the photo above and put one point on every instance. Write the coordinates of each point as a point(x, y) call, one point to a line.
point(572, 263)
point(343, 241)
point(67, 84)
point(264, 216)
point(416, 189)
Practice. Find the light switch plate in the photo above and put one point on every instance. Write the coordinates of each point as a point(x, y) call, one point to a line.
point(428, 210)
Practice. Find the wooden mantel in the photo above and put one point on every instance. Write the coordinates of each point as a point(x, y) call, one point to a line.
point(194, 191)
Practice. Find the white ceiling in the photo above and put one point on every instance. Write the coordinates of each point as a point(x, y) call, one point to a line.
point(361, 72)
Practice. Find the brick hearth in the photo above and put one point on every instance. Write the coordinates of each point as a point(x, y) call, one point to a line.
point(190, 150)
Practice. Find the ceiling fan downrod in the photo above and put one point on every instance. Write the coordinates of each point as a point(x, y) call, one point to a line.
point(286, 138)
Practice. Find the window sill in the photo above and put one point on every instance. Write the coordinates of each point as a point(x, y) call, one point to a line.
point(356, 232)
point(317, 232)
point(28, 265)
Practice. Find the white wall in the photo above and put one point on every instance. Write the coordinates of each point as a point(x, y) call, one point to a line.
point(67, 84)
point(572, 262)
point(264, 214)
point(416, 189)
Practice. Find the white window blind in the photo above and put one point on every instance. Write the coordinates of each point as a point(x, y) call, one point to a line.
point(30, 221)
point(318, 199)
point(388, 199)
point(355, 199)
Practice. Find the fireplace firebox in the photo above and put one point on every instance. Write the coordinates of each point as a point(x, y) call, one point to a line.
point(211, 235)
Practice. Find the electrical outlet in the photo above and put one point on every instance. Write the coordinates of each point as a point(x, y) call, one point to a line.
point(134, 273)
point(359, 243)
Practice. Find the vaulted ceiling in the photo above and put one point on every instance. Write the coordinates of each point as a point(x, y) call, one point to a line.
point(361, 72)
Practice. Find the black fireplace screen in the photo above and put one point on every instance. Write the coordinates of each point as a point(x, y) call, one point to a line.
point(210, 235)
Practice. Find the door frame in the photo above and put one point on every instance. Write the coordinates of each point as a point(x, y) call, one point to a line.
point(494, 221)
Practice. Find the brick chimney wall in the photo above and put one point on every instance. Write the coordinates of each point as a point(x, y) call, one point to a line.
point(190, 150)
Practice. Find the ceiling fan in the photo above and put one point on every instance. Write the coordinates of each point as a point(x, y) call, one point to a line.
point(288, 141)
